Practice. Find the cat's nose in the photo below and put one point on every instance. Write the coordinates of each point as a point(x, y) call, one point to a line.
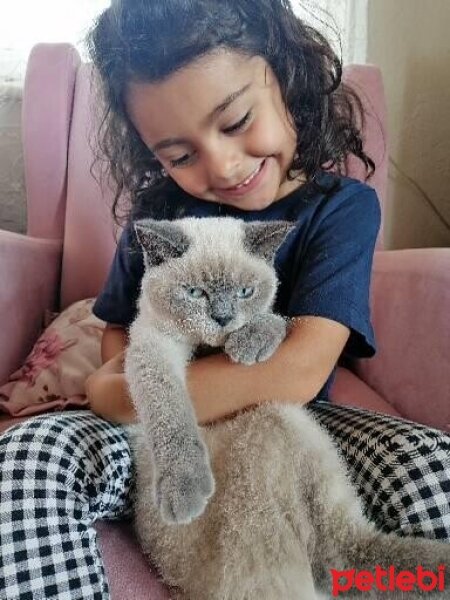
point(222, 320)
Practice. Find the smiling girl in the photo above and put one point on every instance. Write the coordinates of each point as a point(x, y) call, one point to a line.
point(232, 108)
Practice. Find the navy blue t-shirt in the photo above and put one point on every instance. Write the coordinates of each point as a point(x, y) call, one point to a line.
point(324, 265)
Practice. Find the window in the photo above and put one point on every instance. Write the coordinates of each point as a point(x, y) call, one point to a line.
point(343, 22)
point(24, 23)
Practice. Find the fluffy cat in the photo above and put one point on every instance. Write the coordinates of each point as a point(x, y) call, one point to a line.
point(207, 282)
point(282, 511)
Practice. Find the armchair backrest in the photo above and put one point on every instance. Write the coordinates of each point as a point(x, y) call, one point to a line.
point(64, 199)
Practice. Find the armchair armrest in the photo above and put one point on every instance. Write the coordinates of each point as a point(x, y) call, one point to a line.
point(29, 275)
point(410, 308)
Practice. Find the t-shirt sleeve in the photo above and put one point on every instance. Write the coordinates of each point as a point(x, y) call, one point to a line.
point(117, 302)
point(332, 275)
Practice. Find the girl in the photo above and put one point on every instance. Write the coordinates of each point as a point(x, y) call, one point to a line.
point(221, 107)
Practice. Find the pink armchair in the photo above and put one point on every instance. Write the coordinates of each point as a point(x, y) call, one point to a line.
point(70, 241)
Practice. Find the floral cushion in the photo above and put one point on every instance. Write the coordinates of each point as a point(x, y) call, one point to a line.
point(54, 373)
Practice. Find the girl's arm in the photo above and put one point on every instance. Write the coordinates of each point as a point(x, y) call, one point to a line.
point(106, 389)
point(218, 387)
point(296, 372)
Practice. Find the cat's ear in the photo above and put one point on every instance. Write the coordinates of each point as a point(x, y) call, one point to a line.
point(263, 238)
point(160, 240)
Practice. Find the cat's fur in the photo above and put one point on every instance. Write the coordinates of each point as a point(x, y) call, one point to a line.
point(206, 282)
point(284, 512)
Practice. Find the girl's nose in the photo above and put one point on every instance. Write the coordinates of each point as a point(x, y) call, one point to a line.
point(223, 166)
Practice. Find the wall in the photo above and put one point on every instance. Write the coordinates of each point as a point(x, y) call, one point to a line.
point(12, 186)
point(409, 40)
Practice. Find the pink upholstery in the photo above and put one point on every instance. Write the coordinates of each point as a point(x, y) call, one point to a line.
point(88, 228)
point(126, 567)
point(350, 390)
point(69, 228)
point(50, 67)
point(29, 272)
point(410, 306)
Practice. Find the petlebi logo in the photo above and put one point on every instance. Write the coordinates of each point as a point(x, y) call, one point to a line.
point(388, 580)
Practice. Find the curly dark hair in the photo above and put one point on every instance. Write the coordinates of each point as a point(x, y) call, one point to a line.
point(149, 40)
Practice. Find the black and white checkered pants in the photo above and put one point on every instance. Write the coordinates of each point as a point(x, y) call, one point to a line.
point(59, 473)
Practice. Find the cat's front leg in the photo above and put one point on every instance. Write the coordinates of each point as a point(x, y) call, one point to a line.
point(183, 481)
point(257, 340)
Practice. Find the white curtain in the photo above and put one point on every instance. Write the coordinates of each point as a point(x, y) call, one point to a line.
point(23, 23)
point(344, 22)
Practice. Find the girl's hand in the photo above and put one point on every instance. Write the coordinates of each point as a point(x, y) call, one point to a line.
point(114, 365)
point(107, 392)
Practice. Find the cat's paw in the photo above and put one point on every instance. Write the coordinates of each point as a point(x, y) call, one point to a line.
point(182, 492)
point(256, 341)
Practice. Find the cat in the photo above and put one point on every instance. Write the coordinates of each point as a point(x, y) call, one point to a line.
point(207, 283)
point(280, 512)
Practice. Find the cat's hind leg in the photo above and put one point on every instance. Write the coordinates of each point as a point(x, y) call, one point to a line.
point(293, 581)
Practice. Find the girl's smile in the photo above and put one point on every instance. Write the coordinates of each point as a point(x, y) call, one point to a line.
point(250, 184)
point(220, 129)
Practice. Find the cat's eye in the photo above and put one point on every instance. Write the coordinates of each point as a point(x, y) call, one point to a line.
point(245, 292)
point(194, 292)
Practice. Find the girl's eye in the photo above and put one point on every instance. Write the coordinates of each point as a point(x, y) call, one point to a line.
point(179, 162)
point(245, 292)
point(194, 292)
point(186, 158)
point(240, 124)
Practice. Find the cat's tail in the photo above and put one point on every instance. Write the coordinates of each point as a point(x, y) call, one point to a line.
point(384, 556)
point(369, 549)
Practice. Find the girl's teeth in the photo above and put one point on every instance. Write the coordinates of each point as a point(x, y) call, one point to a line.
point(247, 181)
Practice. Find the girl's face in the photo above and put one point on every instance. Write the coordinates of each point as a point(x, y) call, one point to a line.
point(220, 129)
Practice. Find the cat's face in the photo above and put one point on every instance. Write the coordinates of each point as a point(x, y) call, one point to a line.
point(209, 276)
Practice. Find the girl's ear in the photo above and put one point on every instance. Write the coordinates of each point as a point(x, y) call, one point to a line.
point(263, 238)
point(160, 240)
